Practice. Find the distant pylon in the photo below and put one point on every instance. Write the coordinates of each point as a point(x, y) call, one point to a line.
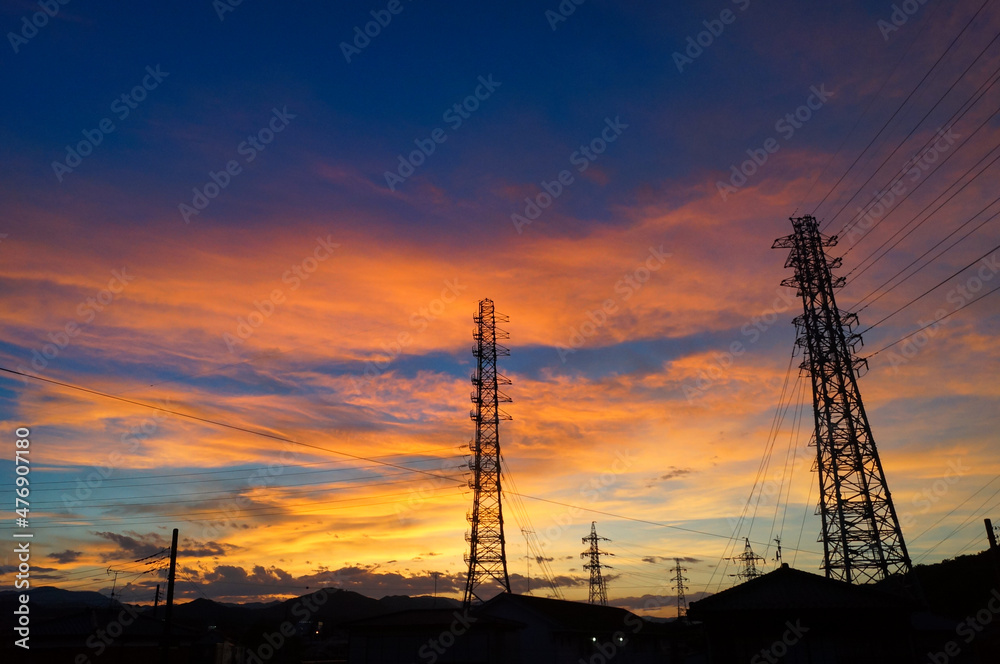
point(679, 586)
point(487, 549)
point(748, 563)
point(862, 540)
point(598, 586)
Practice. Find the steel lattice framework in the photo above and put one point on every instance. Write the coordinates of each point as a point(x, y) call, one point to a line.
point(598, 586)
point(747, 563)
point(862, 540)
point(487, 554)
point(679, 579)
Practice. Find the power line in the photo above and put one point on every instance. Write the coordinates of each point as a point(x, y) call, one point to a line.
point(920, 122)
point(955, 509)
point(637, 520)
point(119, 503)
point(218, 423)
point(762, 466)
point(898, 109)
point(928, 291)
point(922, 221)
point(48, 485)
point(968, 521)
point(272, 479)
point(921, 329)
point(918, 258)
point(878, 93)
point(253, 511)
point(907, 166)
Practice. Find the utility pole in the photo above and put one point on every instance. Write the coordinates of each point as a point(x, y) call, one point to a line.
point(114, 585)
point(862, 539)
point(156, 600)
point(777, 553)
point(994, 550)
point(748, 563)
point(487, 547)
point(170, 599)
point(679, 586)
point(598, 586)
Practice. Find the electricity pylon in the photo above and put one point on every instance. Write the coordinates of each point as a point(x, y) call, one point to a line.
point(598, 586)
point(487, 550)
point(679, 586)
point(748, 563)
point(862, 540)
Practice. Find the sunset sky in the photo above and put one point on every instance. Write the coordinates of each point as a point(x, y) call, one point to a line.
point(260, 216)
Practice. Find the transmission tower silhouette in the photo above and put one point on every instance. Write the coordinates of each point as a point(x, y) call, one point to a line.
point(598, 586)
point(487, 553)
point(679, 586)
point(862, 540)
point(748, 563)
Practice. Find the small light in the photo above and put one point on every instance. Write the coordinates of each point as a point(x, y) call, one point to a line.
point(594, 639)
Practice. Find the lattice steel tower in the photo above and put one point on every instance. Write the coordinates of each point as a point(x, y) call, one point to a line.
point(748, 563)
point(679, 586)
point(862, 540)
point(487, 554)
point(598, 586)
